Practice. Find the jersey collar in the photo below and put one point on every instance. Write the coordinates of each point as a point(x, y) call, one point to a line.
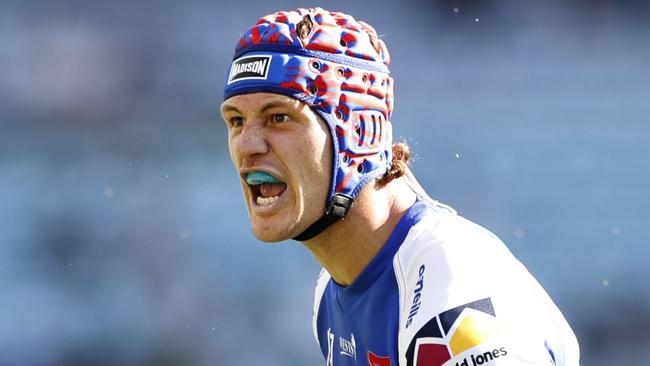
point(349, 295)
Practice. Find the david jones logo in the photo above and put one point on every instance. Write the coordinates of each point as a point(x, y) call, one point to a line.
point(482, 358)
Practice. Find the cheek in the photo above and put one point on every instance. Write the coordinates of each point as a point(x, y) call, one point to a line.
point(325, 157)
point(305, 162)
point(319, 166)
point(315, 158)
point(231, 150)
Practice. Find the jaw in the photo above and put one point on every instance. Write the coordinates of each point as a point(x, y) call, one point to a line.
point(271, 220)
point(290, 214)
point(273, 228)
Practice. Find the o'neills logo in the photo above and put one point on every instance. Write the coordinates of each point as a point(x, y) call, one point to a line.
point(417, 293)
point(249, 67)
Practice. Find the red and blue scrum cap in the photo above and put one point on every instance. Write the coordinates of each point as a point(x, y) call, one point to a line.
point(339, 67)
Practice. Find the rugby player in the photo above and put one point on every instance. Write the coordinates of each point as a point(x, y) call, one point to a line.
point(405, 280)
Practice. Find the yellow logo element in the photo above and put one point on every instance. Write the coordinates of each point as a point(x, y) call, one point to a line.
point(477, 327)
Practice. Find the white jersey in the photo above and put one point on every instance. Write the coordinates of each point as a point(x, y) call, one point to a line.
point(442, 291)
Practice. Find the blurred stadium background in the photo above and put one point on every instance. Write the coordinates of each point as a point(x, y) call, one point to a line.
point(123, 236)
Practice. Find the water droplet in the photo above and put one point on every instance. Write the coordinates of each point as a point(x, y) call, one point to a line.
point(108, 192)
point(605, 282)
point(456, 10)
point(476, 20)
point(520, 233)
point(184, 233)
point(457, 155)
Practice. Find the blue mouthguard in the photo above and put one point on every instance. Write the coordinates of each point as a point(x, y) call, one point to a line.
point(256, 178)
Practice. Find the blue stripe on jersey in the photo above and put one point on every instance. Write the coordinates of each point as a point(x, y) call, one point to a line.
point(364, 317)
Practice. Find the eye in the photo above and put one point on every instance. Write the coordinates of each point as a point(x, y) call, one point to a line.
point(279, 118)
point(236, 121)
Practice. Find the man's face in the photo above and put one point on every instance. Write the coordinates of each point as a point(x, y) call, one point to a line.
point(280, 136)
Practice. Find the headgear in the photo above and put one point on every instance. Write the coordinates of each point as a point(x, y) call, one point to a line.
point(339, 67)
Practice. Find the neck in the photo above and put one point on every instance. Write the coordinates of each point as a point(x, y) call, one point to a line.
point(345, 248)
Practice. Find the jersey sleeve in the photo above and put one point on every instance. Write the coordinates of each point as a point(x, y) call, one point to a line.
point(465, 300)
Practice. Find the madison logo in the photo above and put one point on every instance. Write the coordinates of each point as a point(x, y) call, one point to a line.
point(453, 332)
point(249, 67)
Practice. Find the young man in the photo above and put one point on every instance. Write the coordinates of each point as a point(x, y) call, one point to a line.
point(405, 281)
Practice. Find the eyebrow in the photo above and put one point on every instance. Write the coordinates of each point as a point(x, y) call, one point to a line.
point(275, 104)
point(229, 108)
point(266, 107)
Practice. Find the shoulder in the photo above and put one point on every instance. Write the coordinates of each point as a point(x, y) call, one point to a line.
point(449, 248)
point(445, 260)
point(463, 294)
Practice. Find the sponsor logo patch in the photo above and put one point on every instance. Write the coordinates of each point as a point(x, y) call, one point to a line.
point(455, 331)
point(374, 360)
point(250, 67)
point(348, 348)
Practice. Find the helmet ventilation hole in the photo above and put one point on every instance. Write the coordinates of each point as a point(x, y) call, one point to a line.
point(360, 128)
point(313, 90)
point(360, 167)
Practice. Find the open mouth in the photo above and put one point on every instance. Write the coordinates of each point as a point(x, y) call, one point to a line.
point(265, 188)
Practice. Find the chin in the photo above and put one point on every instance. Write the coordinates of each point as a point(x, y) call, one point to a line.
point(271, 233)
point(269, 230)
point(284, 224)
point(269, 237)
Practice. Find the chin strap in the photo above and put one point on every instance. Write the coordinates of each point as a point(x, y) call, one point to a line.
point(337, 209)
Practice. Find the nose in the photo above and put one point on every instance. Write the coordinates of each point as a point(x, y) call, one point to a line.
point(251, 140)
